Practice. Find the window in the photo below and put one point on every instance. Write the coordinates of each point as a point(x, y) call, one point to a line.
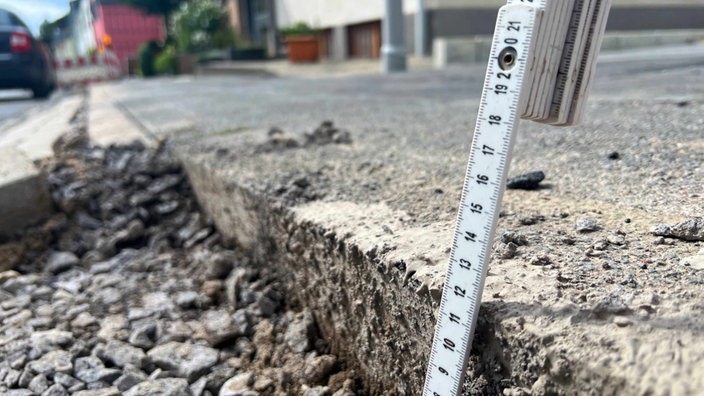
point(5, 18)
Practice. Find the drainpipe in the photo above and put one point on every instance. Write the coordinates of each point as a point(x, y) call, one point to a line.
point(393, 50)
point(271, 42)
point(420, 22)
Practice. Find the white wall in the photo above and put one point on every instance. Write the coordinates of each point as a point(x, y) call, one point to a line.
point(328, 13)
point(83, 33)
point(435, 4)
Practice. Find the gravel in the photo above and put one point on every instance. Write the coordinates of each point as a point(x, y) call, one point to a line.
point(128, 290)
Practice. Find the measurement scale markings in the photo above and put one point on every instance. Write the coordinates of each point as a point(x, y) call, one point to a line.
point(545, 79)
point(484, 182)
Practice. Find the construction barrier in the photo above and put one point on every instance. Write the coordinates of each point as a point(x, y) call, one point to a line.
point(85, 70)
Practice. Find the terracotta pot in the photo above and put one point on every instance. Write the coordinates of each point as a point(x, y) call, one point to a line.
point(185, 63)
point(302, 48)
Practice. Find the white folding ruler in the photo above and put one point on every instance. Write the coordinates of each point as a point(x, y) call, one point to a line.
point(543, 56)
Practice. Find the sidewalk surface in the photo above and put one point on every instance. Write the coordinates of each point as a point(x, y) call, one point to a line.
point(360, 228)
point(283, 68)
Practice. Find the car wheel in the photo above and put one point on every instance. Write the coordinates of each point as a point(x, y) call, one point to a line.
point(42, 91)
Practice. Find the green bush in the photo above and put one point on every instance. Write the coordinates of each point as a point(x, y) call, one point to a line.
point(165, 62)
point(147, 54)
point(299, 29)
point(225, 37)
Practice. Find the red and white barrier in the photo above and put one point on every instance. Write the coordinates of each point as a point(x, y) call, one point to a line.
point(86, 70)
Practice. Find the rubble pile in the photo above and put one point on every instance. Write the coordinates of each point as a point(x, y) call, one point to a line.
point(129, 291)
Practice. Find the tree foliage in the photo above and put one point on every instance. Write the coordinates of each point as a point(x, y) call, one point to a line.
point(47, 30)
point(201, 24)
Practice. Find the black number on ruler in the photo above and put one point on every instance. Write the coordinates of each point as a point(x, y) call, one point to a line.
point(494, 120)
point(470, 236)
point(482, 179)
point(504, 75)
point(442, 370)
point(476, 208)
point(454, 318)
point(436, 394)
point(514, 25)
point(464, 264)
point(448, 344)
point(460, 292)
point(487, 150)
point(500, 89)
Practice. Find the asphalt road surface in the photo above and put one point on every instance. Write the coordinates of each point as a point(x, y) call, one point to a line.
point(15, 102)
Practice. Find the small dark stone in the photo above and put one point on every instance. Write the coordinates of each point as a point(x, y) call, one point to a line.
point(87, 222)
point(275, 131)
point(513, 237)
point(302, 182)
point(528, 181)
point(614, 155)
point(683, 103)
point(219, 265)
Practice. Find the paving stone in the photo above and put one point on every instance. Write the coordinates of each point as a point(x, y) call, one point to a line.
point(121, 354)
point(189, 360)
point(161, 387)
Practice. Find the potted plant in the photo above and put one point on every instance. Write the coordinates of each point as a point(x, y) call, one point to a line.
point(301, 42)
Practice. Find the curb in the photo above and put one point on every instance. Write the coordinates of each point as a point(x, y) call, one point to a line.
point(24, 193)
point(108, 124)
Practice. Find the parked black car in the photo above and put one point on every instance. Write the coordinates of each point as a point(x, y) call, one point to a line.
point(25, 62)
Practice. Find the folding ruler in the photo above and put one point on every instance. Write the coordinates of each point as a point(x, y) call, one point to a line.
point(543, 56)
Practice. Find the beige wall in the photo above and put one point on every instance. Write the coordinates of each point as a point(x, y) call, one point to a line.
point(439, 4)
point(233, 15)
point(328, 13)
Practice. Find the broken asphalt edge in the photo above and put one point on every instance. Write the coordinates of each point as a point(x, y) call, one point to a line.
point(377, 314)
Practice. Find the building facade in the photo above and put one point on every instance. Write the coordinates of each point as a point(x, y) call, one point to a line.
point(124, 29)
point(254, 23)
point(92, 26)
point(352, 28)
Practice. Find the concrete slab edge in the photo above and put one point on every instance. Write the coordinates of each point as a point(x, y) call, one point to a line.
point(368, 307)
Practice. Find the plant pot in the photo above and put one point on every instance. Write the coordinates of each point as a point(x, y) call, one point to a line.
point(301, 48)
point(185, 63)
